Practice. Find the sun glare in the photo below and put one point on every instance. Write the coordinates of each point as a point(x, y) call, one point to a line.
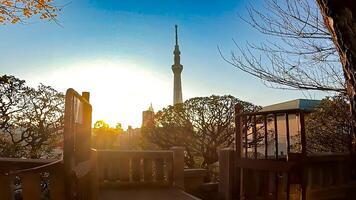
point(120, 91)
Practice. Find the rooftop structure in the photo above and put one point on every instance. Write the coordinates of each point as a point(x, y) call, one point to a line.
point(297, 104)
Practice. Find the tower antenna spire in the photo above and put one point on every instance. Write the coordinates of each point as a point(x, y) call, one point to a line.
point(177, 69)
point(176, 26)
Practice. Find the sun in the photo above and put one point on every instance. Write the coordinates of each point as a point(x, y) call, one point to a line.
point(119, 90)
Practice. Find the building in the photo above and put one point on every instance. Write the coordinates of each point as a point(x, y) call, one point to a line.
point(177, 69)
point(294, 125)
point(148, 117)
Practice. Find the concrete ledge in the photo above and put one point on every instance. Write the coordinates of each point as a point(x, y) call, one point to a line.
point(193, 179)
point(191, 173)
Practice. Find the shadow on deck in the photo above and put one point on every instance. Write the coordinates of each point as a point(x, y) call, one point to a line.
point(145, 193)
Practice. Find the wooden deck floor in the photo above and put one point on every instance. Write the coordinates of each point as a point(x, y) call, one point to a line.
point(145, 194)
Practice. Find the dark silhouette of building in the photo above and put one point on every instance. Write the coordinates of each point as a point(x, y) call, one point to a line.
point(148, 117)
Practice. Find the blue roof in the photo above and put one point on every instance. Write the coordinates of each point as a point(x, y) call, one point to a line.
point(301, 104)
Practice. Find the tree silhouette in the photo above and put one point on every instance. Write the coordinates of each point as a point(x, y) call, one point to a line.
point(31, 122)
point(328, 128)
point(200, 124)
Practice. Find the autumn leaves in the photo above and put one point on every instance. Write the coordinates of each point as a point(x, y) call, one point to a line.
point(15, 11)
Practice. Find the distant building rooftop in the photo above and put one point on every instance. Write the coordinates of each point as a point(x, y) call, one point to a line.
point(301, 104)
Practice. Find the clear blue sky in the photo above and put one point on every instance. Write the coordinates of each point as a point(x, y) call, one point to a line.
point(121, 51)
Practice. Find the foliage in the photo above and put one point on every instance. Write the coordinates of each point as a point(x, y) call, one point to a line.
point(201, 125)
point(31, 119)
point(328, 128)
point(104, 136)
point(15, 11)
point(298, 52)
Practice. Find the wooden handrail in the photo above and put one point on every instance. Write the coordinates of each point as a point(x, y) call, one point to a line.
point(37, 169)
point(13, 164)
point(77, 95)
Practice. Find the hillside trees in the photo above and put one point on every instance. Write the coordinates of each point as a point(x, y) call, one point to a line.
point(201, 124)
point(104, 136)
point(328, 128)
point(31, 119)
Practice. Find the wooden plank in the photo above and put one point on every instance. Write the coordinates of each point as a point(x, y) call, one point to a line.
point(147, 170)
point(159, 169)
point(265, 135)
point(135, 166)
point(340, 192)
point(113, 166)
point(31, 189)
point(56, 185)
point(178, 167)
point(101, 167)
point(254, 131)
point(238, 130)
point(145, 194)
point(6, 189)
point(239, 123)
point(94, 175)
point(276, 135)
point(270, 165)
point(287, 133)
point(169, 170)
point(244, 129)
point(226, 173)
point(124, 169)
point(136, 154)
point(303, 138)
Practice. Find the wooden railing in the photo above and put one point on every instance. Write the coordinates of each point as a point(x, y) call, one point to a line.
point(272, 161)
point(68, 178)
point(31, 178)
point(329, 176)
point(259, 134)
point(322, 176)
point(141, 168)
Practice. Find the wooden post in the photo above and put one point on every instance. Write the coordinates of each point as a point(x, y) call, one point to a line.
point(6, 190)
point(147, 169)
point(84, 136)
point(303, 138)
point(265, 135)
point(77, 144)
point(94, 175)
point(68, 146)
point(135, 169)
point(31, 189)
point(178, 167)
point(238, 138)
point(86, 96)
point(275, 135)
point(159, 163)
point(226, 173)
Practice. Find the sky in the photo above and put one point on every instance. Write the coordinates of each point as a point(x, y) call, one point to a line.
point(122, 52)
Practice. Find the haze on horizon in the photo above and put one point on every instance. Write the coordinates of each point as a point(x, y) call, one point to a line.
point(122, 52)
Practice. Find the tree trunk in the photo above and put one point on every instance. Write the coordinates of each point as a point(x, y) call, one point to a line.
point(340, 19)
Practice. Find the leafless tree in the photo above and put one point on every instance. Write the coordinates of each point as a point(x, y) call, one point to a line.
point(298, 53)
